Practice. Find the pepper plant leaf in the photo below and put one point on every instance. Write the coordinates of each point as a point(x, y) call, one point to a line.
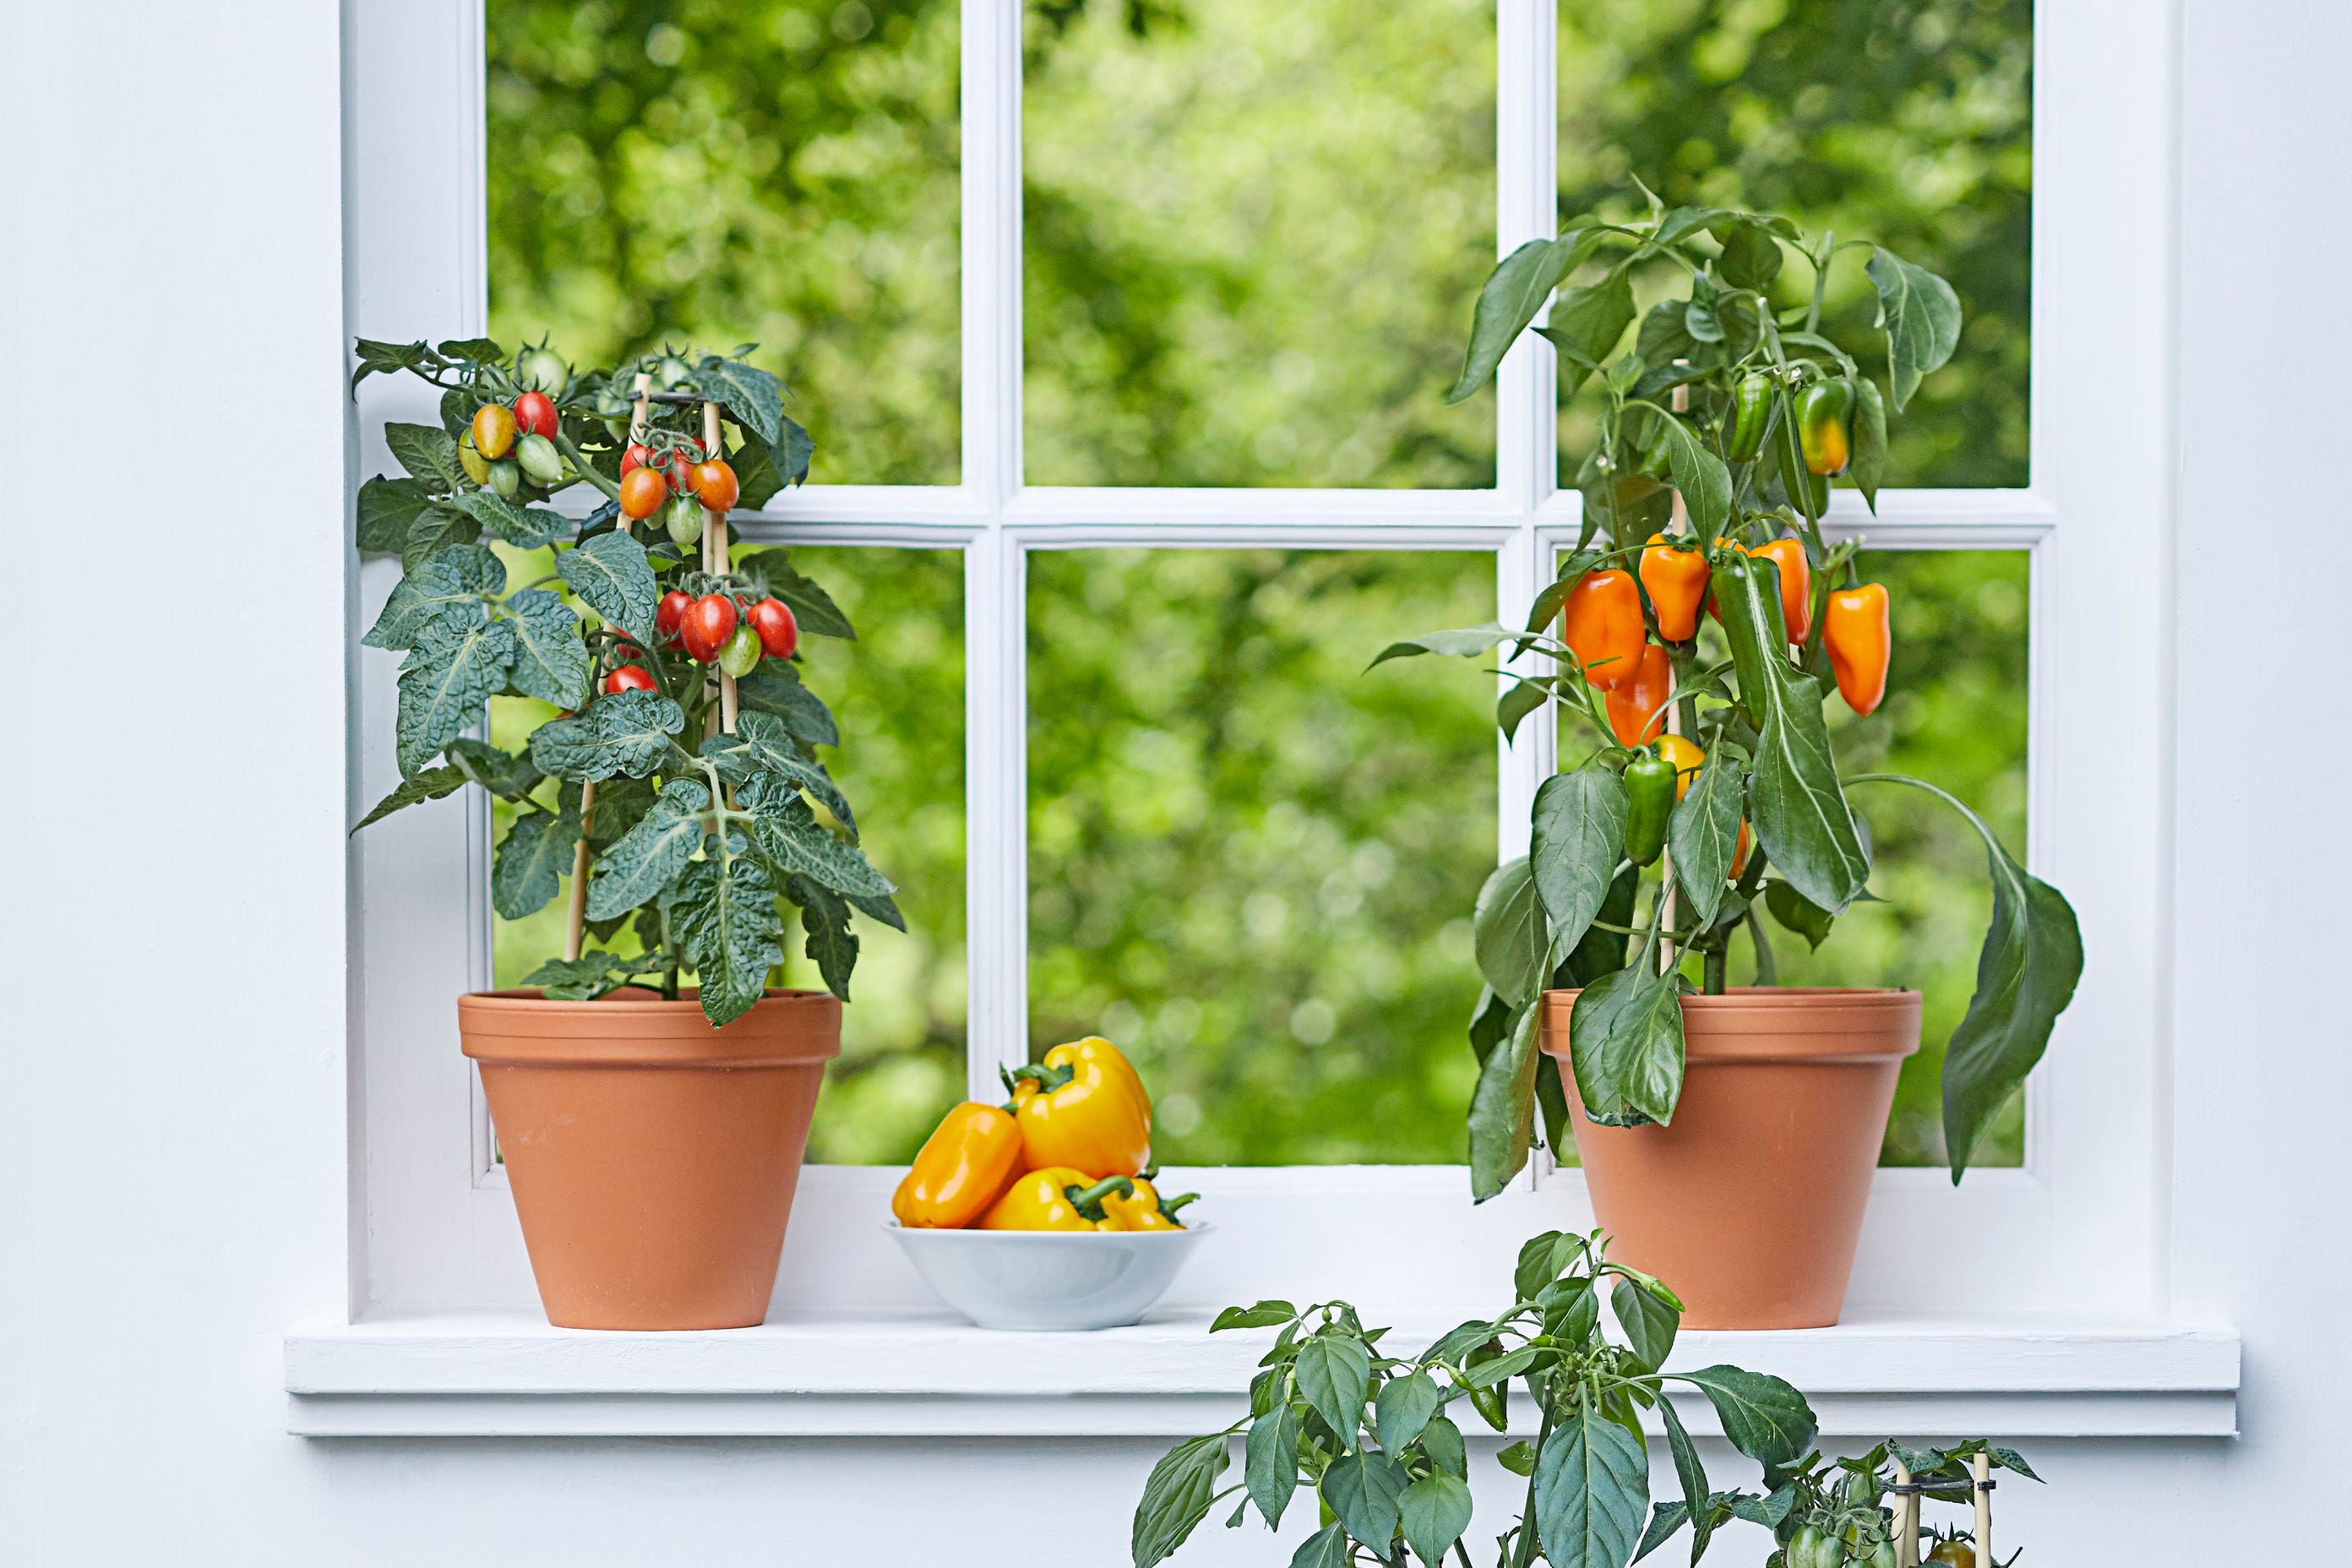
point(1795, 803)
point(1869, 468)
point(445, 683)
point(551, 662)
point(611, 574)
point(1503, 1109)
point(620, 732)
point(1507, 932)
point(1511, 297)
point(724, 912)
point(1327, 1548)
point(1176, 1498)
point(1586, 324)
point(1763, 1416)
point(1699, 473)
point(531, 862)
point(1592, 1491)
point(1434, 1512)
point(1579, 836)
point(1922, 319)
point(1466, 642)
point(2026, 974)
point(1363, 1489)
point(1270, 1461)
point(1403, 1407)
point(1625, 1043)
point(1797, 913)
point(1649, 1322)
point(445, 590)
point(650, 856)
point(1703, 832)
point(1696, 1499)
point(1335, 1374)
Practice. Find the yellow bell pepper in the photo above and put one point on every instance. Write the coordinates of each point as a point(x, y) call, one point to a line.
point(1055, 1198)
point(1144, 1209)
point(962, 1168)
point(1085, 1107)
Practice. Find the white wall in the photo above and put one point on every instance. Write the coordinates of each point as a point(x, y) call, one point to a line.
point(172, 1111)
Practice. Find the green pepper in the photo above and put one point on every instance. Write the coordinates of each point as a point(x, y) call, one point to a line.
point(1751, 411)
point(1650, 801)
point(1825, 426)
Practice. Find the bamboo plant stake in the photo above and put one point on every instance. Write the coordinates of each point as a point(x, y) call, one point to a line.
point(1907, 1519)
point(714, 560)
point(576, 916)
point(1678, 523)
point(1980, 1467)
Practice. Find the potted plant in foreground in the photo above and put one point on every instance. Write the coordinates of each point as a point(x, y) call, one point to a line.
point(652, 1129)
point(1703, 619)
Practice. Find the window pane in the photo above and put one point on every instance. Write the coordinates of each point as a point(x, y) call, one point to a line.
point(780, 173)
point(896, 695)
point(1253, 233)
point(1910, 124)
point(1251, 863)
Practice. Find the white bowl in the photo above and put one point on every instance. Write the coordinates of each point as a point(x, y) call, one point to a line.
point(1049, 1279)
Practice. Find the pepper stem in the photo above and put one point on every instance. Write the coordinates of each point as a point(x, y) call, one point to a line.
point(1087, 1200)
point(1170, 1206)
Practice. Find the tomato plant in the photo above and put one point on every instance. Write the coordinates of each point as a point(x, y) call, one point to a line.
point(630, 724)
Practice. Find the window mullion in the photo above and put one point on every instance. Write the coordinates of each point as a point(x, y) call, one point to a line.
point(1526, 177)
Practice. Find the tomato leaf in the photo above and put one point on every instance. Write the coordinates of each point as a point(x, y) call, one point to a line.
point(776, 688)
point(624, 732)
point(1592, 1490)
point(1922, 318)
point(771, 571)
point(532, 861)
point(385, 510)
point(787, 835)
point(824, 919)
point(611, 574)
point(446, 590)
point(383, 358)
point(446, 682)
point(551, 662)
point(754, 397)
point(429, 455)
point(436, 528)
point(761, 744)
point(724, 912)
point(433, 783)
point(525, 528)
point(651, 853)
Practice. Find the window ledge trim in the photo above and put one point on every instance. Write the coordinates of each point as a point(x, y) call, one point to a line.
point(508, 1374)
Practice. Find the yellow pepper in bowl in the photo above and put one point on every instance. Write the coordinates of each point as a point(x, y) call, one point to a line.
point(1083, 1107)
point(1055, 1198)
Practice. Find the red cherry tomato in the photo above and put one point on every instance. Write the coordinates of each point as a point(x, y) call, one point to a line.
point(636, 457)
point(709, 622)
point(779, 633)
point(681, 472)
point(630, 678)
point(671, 615)
point(714, 482)
point(642, 493)
point(535, 413)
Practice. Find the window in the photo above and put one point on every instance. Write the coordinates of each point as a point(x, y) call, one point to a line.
point(1080, 351)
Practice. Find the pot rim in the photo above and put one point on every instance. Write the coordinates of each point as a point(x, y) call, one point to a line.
point(1792, 1024)
point(519, 1027)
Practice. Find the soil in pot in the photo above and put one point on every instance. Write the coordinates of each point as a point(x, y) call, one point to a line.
point(653, 1158)
point(1749, 1204)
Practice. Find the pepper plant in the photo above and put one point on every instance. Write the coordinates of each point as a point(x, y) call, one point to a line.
point(1710, 793)
point(679, 828)
point(1371, 1436)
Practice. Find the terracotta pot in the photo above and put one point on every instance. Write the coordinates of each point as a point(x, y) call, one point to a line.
point(653, 1157)
point(1750, 1203)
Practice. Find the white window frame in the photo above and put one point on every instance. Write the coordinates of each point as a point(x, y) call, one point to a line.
point(2079, 1228)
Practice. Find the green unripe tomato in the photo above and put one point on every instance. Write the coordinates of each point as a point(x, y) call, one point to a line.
point(542, 369)
point(1860, 1488)
point(683, 518)
point(540, 460)
point(1812, 1548)
point(741, 654)
point(506, 478)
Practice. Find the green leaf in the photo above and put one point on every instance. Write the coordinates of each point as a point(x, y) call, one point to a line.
point(1869, 469)
point(445, 683)
point(1625, 1042)
point(1501, 1369)
point(2026, 974)
point(1264, 1315)
point(1592, 1491)
point(588, 976)
point(775, 687)
point(1795, 805)
point(483, 351)
point(1335, 1374)
point(1922, 318)
point(1697, 1500)
point(446, 590)
point(1798, 914)
point(1502, 1111)
point(1327, 1548)
point(1511, 297)
point(1752, 257)
point(1648, 1320)
point(1703, 832)
point(761, 744)
point(756, 479)
point(1664, 1519)
point(787, 834)
point(1513, 707)
point(428, 454)
point(385, 510)
point(1767, 1511)
point(650, 856)
point(1403, 1407)
point(1176, 1498)
point(1442, 1441)
point(611, 574)
point(436, 528)
point(2011, 1459)
point(753, 395)
point(1508, 934)
point(1763, 1416)
point(1362, 1489)
point(724, 912)
point(824, 917)
point(1270, 1461)
point(383, 358)
point(620, 732)
point(551, 662)
point(431, 784)
point(1520, 1459)
point(525, 528)
point(509, 777)
point(532, 861)
point(1580, 837)
point(1586, 324)
point(1601, 952)
point(812, 608)
point(1468, 642)
point(1434, 1512)
point(1700, 474)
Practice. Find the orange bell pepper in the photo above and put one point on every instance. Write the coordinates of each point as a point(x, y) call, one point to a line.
point(1796, 583)
point(1677, 581)
point(1055, 1198)
point(1860, 640)
point(964, 1167)
point(1085, 1107)
point(1602, 625)
point(1637, 708)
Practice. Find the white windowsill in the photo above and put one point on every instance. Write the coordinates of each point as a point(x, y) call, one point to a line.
point(508, 1374)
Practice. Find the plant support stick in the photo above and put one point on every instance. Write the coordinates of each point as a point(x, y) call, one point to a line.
point(714, 534)
point(1678, 523)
